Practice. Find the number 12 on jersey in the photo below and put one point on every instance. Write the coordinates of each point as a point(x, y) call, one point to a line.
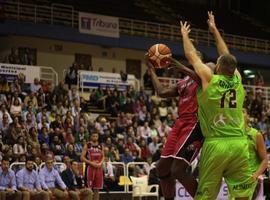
point(232, 99)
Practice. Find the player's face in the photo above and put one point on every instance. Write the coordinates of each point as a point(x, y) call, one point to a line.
point(94, 137)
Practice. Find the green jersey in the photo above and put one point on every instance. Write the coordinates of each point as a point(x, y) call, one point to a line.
point(220, 107)
point(254, 160)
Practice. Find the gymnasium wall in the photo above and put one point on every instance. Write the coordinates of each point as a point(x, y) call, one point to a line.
point(104, 57)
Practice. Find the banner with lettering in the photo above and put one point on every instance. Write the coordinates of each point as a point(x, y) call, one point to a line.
point(11, 72)
point(98, 25)
point(182, 194)
point(89, 79)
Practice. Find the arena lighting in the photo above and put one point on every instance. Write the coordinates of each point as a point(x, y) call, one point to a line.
point(251, 76)
point(247, 71)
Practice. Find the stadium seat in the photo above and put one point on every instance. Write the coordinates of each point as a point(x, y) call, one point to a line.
point(140, 188)
point(124, 180)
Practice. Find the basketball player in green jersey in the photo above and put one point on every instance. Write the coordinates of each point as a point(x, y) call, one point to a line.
point(257, 151)
point(225, 150)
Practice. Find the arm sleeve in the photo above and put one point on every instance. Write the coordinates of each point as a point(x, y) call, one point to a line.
point(60, 182)
point(41, 181)
point(19, 179)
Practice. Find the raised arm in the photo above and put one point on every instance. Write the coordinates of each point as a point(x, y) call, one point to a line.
point(161, 91)
point(221, 45)
point(185, 70)
point(201, 69)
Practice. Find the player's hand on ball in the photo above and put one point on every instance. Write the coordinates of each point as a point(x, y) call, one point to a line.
point(148, 62)
point(211, 22)
point(185, 28)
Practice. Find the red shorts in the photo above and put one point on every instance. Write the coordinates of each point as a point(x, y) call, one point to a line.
point(184, 140)
point(95, 177)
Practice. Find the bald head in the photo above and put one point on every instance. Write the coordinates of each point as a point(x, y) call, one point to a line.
point(226, 64)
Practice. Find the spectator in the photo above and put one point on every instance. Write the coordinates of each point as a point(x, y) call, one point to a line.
point(60, 92)
point(164, 129)
point(3, 112)
point(43, 136)
point(32, 138)
point(4, 126)
point(70, 152)
point(16, 108)
point(157, 121)
point(163, 111)
point(145, 131)
point(35, 87)
point(49, 177)
point(170, 120)
point(31, 100)
point(109, 177)
point(72, 75)
point(147, 82)
point(19, 148)
point(145, 152)
point(15, 86)
point(173, 109)
point(126, 157)
point(154, 145)
point(81, 135)
point(142, 115)
point(28, 182)
point(74, 183)
point(8, 185)
point(57, 148)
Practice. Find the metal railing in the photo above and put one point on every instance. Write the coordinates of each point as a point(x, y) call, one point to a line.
point(59, 14)
point(49, 74)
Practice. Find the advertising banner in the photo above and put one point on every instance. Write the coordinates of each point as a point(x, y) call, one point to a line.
point(11, 71)
point(90, 79)
point(98, 25)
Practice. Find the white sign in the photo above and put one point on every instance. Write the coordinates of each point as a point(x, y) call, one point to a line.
point(11, 71)
point(89, 79)
point(98, 25)
point(182, 194)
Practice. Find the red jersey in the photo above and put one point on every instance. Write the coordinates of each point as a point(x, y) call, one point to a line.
point(94, 152)
point(187, 105)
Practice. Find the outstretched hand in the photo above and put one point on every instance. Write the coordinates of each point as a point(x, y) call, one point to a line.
point(211, 21)
point(185, 28)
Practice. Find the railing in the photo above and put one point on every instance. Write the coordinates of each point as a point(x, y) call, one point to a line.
point(59, 14)
point(49, 74)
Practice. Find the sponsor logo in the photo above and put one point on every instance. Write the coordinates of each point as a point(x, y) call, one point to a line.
point(90, 77)
point(242, 186)
point(95, 23)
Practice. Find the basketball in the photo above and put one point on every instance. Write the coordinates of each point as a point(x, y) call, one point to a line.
point(159, 54)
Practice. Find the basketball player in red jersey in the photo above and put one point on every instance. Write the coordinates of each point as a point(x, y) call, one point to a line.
point(185, 139)
point(93, 156)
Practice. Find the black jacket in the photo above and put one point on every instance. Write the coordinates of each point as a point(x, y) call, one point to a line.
point(68, 178)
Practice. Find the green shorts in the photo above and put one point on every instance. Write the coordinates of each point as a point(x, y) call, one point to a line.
point(228, 158)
